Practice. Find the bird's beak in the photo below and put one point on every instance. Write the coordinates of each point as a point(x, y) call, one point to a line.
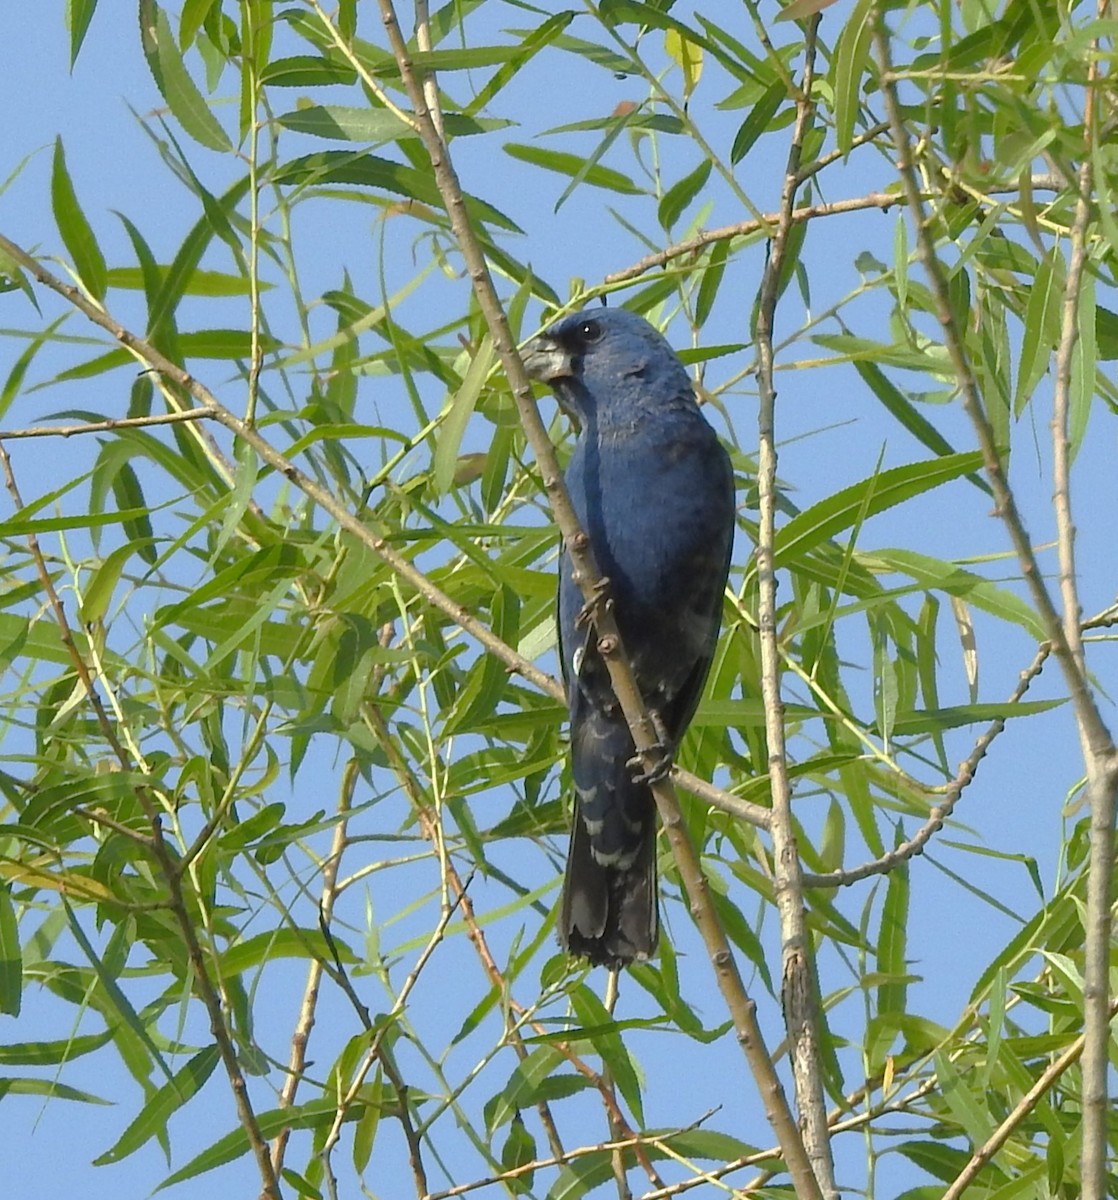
point(546, 360)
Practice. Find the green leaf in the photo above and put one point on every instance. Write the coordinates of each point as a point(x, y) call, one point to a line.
point(968, 1108)
point(906, 413)
point(51, 1054)
point(194, 13)
point(95, 601)
point(710, 282)
point(282, 943)
point(77, 234)
point(367, 170)
point(461, 408)
point(1083, 366)
point(374, 124)
point(522, 1087)
point(183, 98)
point(50, 1088)
point(158, 1108)
point(572, 164)
point(688, 56)
point(315, 1114)
point(305, 70)
point(1042, 327)
point(519, 1150)
point(199, 283)
point(892, 940)
point(851, 56)
point(879, 492)
point(78, 15)
point(599, 1026)
point(759, 119)
point(11, 957)
point(958, 581)
point(934, 720)
point(366, 1132)
point(676, 199)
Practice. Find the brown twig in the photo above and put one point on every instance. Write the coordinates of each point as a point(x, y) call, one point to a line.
point(724, 233)
point(800, 989)
point(941, 811)
point(108, 425)
point(297, 1059)
point(1021, 1110)
point(741, 1007)
point(1102, 776)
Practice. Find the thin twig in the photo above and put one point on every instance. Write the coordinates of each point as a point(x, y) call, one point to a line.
point(1102, 779)
point(108, 425)
point(941, 811)
point(301, 1036)
point(800, 989)
point(1021, 1110)
point(725, 233)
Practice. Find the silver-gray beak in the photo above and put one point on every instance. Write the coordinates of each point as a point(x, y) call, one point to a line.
point(546, 360)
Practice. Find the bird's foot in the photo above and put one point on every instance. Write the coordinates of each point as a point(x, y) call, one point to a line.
point(586, 613)
point(659, 770)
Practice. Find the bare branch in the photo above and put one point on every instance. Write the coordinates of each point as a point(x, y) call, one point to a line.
point(800, 988)
point(810, 212)
point(108, 425)
point(1102, 769)
point(940, 812)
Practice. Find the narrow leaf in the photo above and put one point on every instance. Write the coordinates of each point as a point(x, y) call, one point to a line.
point(173, 80)
point(158, 1108)
point(11, 957)
point(77, 234)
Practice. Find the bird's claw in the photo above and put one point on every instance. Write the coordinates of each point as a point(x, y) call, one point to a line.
point(659, 770)
point(586, 612)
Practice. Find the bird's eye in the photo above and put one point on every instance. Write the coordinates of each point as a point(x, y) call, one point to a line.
point(590, 331)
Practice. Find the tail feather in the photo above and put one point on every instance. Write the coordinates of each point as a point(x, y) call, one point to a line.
point(609, 911)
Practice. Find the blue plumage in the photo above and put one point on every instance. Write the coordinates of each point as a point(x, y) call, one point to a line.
point(653, 488)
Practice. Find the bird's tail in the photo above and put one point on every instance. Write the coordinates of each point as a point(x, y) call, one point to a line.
point(609, 912)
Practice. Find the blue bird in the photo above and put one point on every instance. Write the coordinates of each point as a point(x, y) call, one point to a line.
point(654, 490)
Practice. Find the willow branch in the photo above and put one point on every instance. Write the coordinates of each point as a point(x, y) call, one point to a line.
point(940, 812)
point(106, 426)
point(1100, 754)
point(1102, 771)
point(810, 212)
point(740, 1005)
point(800, 989)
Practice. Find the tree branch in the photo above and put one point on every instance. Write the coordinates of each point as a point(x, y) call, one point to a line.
point(800, 988)
point(810, 212)
point(586, 572)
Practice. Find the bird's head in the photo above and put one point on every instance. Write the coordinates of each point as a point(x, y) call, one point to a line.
point(607, 364)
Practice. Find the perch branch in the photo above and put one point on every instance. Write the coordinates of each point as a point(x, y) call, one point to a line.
point(740, 1005)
